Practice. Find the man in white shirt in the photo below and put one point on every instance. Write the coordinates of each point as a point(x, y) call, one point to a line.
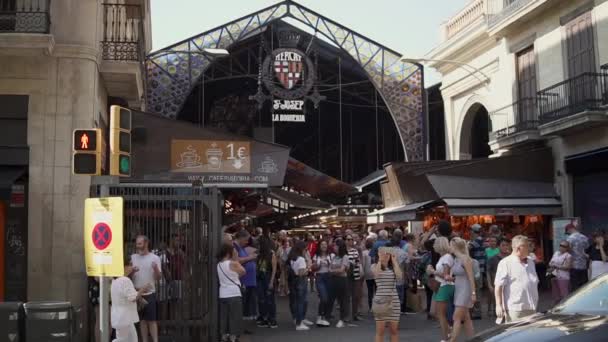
point(146, 272)
point(516, 283)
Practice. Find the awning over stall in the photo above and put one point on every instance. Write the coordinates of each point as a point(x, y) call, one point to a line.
point(519, 184)
point(298, 201)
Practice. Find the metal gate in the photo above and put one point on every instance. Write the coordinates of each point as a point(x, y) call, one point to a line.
point(183, 224)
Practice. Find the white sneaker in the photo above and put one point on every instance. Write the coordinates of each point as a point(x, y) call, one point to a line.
point(307, 322)
point(322, 322)
point(340, 324)
point(302, 327)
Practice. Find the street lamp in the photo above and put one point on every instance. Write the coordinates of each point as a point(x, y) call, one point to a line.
point(215, 52)
point(462, 64)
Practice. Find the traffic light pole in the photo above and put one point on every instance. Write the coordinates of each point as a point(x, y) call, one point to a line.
point(104, 183)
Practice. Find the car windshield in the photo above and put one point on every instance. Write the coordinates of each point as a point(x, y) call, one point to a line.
point(590, 299)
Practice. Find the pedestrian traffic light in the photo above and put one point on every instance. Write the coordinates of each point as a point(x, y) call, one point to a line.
point(120, 141)
point(86, 148)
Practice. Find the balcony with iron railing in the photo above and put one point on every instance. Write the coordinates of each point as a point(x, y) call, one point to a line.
point(123, 36)
point(524, 114)
point(24, 16)
point(123, 48)
point(577, 102)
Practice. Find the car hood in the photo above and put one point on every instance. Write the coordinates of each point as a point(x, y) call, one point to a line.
point(550, 327)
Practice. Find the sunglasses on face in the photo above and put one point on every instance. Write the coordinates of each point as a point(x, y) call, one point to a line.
point(349, 239)
point(563, 246)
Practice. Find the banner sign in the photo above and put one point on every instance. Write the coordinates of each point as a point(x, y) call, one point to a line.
point(226, 162)
point(205, 156)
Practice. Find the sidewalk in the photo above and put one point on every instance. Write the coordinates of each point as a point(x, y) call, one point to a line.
point(412, 327)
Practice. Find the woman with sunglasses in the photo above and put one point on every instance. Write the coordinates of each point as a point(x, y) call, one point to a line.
point(559, 266)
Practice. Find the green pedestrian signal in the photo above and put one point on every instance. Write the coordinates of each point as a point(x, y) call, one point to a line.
point(125, 165)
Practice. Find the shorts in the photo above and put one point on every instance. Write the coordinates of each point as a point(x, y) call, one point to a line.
point(148, 312)
point(445, 294)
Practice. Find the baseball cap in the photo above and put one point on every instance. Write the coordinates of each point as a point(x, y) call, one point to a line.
point(476, 227)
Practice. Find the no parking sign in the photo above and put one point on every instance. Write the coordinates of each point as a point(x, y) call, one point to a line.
point(103, 243)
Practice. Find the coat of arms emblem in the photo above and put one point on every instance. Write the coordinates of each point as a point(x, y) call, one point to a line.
point(288, 68)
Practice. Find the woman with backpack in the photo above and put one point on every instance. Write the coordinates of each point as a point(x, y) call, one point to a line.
point(298, 286)
point(320, 265)
point(338, 270)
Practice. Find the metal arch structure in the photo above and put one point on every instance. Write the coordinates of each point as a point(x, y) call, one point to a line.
point(173, 72)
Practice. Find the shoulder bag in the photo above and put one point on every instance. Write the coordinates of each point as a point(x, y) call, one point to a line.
point(241, 287)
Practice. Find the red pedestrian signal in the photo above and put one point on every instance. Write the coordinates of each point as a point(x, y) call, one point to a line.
point(85, 140)
point(86, 157)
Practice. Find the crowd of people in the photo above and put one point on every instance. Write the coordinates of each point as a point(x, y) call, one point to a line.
point(339, 265)
point(254, 269)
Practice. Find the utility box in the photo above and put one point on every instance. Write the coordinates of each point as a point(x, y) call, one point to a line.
point(49, 321)
point(11, 322)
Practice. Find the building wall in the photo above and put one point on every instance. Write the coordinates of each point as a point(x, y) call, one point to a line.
point(495, 55)
point(66, 91)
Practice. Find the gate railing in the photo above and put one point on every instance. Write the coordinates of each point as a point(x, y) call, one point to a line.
point(183, 225)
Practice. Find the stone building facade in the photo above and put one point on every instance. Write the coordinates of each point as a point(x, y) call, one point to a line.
point(519, 74)
point(62, 64)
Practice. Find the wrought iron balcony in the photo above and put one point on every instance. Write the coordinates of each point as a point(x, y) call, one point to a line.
point(24, 16)
point(501, 9)
point(525, 112)
point(123, 37)
point(586, 92)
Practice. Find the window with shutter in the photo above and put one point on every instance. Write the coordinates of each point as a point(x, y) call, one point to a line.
point(580, 45)
point(526, 85)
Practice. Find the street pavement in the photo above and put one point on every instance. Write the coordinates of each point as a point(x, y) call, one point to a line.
point(413, 327)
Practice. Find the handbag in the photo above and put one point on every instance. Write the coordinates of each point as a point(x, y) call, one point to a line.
point(433, 284)
point(241, 287)
point(382, 306)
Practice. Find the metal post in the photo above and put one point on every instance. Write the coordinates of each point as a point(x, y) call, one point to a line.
point(104, 290)
point(340, 92)
point(104, 183)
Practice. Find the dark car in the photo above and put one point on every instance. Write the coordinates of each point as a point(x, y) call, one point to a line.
point(581, 317)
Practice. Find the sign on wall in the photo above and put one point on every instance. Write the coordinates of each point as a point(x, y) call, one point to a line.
point(210, 156)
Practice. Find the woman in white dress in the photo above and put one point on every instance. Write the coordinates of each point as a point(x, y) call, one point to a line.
point(124, 305)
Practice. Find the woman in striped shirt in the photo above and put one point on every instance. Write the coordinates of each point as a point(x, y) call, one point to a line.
point(386, 272)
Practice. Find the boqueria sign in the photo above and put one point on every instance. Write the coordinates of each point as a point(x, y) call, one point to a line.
point(173, 151)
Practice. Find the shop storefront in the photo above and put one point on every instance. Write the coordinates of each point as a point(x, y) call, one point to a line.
point(505, 201)
point(589, 173)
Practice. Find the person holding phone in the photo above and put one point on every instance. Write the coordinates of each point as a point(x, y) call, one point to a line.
point(320, 265)
point(386, 273)
point(229, 271)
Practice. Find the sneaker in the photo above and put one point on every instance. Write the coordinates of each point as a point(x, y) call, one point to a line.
point(307, 322)
point(273, 325)
point(322, 322)
point(262, 323)
point(340, 324)
point(302, 327)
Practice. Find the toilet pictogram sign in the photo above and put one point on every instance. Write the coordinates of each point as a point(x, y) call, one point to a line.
point(102, 236)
